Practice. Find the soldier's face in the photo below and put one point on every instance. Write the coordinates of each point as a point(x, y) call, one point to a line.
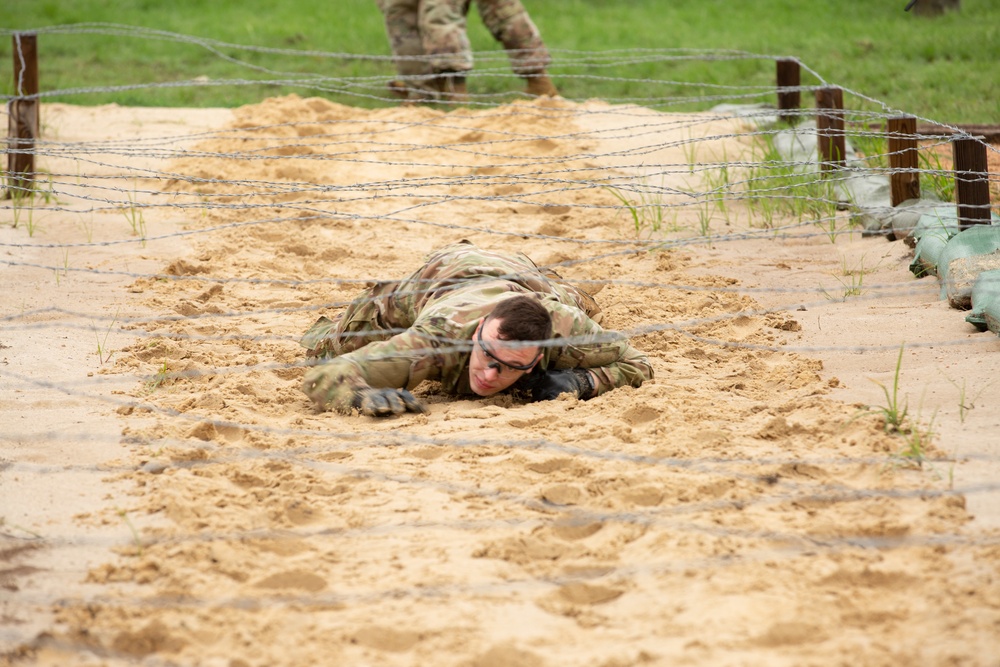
point(496, 364)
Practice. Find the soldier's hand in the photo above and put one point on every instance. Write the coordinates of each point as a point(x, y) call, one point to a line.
point(325, 385)
point(333, 386)
point(550, 384)
point(385, 402)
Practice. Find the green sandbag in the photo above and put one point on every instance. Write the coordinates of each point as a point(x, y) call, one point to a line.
point(977, 241)
point(962, 275)
point(904, 218)
point(942, 217)
point(986, 302)
point(899, 220)
point(932, 232)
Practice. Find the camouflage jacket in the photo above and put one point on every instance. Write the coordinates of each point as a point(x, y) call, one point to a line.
point(435, 312)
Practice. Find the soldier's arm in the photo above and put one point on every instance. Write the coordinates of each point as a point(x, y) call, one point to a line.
point(401, 362)
point(612, 361)
point(630, 368)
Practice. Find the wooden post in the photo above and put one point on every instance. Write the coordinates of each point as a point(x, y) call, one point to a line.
point(789, 76)
point(22, 127)
point(904, 179)
point(830, 127)
point(972, 185)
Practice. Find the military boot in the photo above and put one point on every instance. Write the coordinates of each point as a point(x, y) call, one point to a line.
point(397, 88)
point(453, 88)
point(540, 84)
point(414, 92)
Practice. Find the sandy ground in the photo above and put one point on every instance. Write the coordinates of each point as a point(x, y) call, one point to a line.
point(169, 497)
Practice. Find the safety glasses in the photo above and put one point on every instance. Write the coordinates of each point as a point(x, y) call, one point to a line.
point(499, 365)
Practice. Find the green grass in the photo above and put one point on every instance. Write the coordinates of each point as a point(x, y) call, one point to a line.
point(645, 207)
point(916, 443)
point(942, 68)
point(136, 220)
point(776, 189)
point(103, 353)
point(135, 534)
point(895, 409)
point(162, 376)
point(852, 280)
point(916, 437)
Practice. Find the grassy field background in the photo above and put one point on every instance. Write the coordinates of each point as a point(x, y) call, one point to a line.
point(942, 69)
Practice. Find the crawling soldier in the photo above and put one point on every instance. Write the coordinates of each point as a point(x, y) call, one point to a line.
point(476, 321)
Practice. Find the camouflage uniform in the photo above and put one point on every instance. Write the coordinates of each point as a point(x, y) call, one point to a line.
point(398, 334)
point(437, 29)
point(509, 23)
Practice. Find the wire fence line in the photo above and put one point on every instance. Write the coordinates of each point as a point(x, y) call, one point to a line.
point(360, 439)
point(574, 516)
point(280, 600)
point(729, 192)
point(580, 180)
point(780, 491)
point(566, 57)
point(680, 327)
point(880, 289)
point(879, 292)
point(727, 466)
point(373, 145)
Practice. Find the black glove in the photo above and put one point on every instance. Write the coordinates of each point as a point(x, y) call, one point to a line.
point(385, 402)
point(550, 384)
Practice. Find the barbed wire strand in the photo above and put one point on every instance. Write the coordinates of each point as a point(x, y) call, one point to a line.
point(551, 176)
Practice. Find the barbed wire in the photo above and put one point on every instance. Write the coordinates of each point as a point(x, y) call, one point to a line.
point(658, 516)
point(810, 547)
point(556, 181)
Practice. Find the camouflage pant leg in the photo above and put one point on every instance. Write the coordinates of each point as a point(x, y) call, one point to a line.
point(443, 32)
point(403, 31)
point(363, 322)
point(427, 36)
point(509, 23)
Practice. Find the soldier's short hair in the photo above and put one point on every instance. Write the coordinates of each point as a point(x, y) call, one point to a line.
point(522, 318)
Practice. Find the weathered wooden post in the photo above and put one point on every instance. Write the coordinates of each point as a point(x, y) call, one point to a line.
point(972, 184)
point(22, 127)
point(830, 127)
point(789, 95)
point(904, 180)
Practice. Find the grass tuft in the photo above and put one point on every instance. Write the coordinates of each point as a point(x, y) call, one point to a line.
point(103, 353)
point(895, 409)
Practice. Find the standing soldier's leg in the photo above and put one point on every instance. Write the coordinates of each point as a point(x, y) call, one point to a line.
point(442, 30)
point(402, 29)
point(509, 23)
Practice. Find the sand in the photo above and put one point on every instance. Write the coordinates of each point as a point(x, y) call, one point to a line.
point(169, 496)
